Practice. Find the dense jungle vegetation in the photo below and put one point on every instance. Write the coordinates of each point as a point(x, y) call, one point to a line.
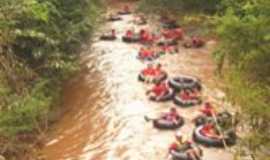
point(38, 44)
point(39, 40)
point(242, 56)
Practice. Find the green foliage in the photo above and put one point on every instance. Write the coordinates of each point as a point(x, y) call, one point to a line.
point(38, 42)
point(209, 6)
point(253, 97)
point(195, 16)
point(37, 29)
point(245, 41)
point(26, 111)
point(244, 29)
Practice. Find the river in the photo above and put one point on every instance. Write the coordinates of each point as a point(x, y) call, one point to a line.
point(106, 104)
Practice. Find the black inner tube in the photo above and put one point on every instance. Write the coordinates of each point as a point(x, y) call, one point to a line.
point(230, 138)
point(182, 153)
point(134, 38)
point(186, 103)
point(150, 58)
point(166, 124)
point(161, 77)
point(107, 37)
point(184, 82)
point(167, 96)
point(124, 12)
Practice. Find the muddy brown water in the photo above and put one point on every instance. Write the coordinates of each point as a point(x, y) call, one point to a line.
point(106, 105)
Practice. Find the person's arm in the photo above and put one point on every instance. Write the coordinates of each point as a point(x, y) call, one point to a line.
point(150, 90)
point(177, 117)
point(175, 121)
point(168, 155)
point(203, 111)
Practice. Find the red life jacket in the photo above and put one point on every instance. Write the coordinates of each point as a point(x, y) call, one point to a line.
point(172, 116)
point(185, 96)
point(146, 37)
point(157, 72)
point(178, 33)
point(206, 129)
point(150, 38)
point(156, 37)
point(144, 53)
point(166, 48)
point(208, 111)
point(159, 89)
point(173, 147)
point(129, 34)
point(149, 72)
point(148, 53)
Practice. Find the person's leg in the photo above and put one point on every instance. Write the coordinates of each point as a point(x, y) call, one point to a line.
point(197, 153)
point(191, 155)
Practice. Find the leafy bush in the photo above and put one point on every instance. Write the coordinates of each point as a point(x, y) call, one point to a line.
point(195, 16)
point(38, 42)
point(244, 32)
point(24, 113)
point(209, 6)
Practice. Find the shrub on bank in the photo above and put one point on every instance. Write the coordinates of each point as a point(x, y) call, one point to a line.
point(38, 45)
point(244, 45)
point(209, 6)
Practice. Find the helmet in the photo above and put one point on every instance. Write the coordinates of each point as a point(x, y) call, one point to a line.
point(178, 135)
